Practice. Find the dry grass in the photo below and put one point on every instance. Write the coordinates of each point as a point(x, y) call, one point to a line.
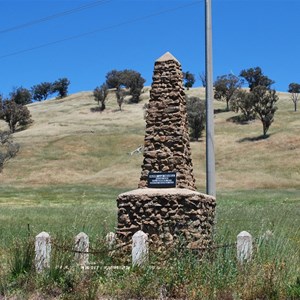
point(264, 163)
point(70, 144)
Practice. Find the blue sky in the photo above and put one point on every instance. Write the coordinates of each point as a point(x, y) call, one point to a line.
point(83, 40)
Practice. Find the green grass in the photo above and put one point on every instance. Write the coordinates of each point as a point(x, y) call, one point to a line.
point(64, 211)
point(57, 210)
point(257, 211)
point(273, 273)
point(93, 209)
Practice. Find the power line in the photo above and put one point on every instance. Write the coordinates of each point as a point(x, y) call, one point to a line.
point(51, 17)
point(99, 30)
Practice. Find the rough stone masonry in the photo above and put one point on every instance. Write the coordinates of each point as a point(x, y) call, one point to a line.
point(167, 145)
point(167, 214)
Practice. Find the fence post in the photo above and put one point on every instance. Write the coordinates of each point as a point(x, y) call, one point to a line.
point(110, 239)
point(42, 251)
point(244, 246)
point(139, 248)
point(82, 245)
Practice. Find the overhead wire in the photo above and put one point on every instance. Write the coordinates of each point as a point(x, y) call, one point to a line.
point(101, 29)
point(54, 16)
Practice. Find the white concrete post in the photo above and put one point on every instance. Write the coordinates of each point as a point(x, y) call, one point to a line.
point(42, 251)
point(82, 245)
point(139, 248)
point(110, 240)
point(244, 246)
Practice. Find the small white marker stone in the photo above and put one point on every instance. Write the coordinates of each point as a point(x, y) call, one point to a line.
point(82, 245)
point(139, 248)
point(42, 251)
point(244, 246)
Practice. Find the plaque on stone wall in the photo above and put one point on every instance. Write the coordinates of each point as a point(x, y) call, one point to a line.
point(162, 180)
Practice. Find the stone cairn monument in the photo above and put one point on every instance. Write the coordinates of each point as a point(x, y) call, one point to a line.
point(166, 206)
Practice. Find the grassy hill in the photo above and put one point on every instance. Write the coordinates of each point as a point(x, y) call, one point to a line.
point(68, 143)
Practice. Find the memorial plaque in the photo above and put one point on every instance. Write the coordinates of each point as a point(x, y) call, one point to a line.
point(162, 180)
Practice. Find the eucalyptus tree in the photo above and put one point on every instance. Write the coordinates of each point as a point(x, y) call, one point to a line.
point(189, 79)
point(41, 91)
point(21, 95)
point(294, 89)
point(100, 93)
point(255, 77)
point(126, 79)
point(260, 101)
point(61, 86)
point(225, 87)
point(263, 101)
point(15, 115)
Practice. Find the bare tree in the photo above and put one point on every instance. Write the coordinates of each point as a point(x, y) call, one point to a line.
point(203, 79)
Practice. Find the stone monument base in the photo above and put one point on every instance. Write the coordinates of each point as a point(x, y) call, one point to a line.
point(167, 215)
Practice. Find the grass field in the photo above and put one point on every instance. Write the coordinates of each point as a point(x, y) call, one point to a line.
point(71, 209)
point(74, 162)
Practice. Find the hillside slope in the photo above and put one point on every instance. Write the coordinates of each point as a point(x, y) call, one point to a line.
point(68, 143)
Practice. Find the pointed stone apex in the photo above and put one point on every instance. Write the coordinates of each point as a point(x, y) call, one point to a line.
point(167, 56)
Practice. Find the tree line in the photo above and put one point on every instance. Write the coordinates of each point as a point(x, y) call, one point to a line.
point(40, 92)
point(13, 110)
point(125, 82)
point(257, 102)
point(128, 83)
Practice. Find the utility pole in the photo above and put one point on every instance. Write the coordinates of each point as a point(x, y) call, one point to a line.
point(210, 132)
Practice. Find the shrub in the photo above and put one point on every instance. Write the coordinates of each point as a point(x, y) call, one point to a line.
point(196, 116)
point(8, 149)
